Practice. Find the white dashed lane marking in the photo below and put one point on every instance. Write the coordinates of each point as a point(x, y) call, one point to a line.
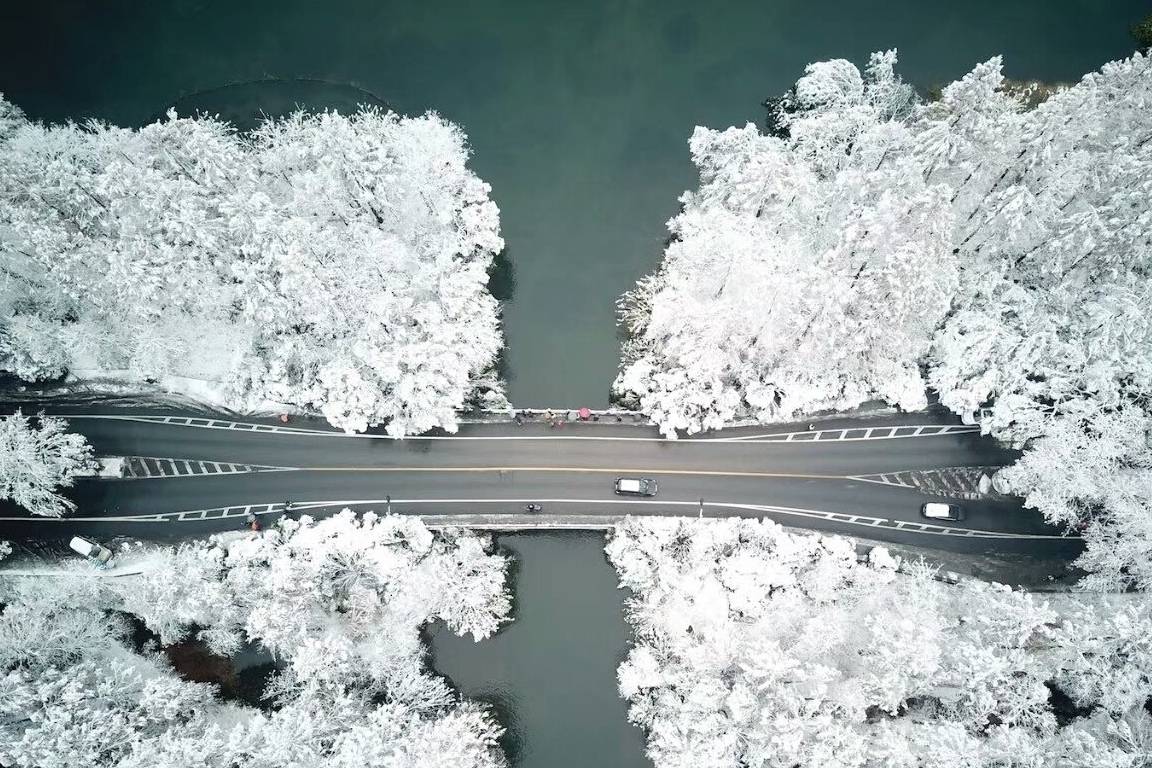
point(852, 434)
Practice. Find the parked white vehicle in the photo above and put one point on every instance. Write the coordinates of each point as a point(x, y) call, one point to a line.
point(91, 550)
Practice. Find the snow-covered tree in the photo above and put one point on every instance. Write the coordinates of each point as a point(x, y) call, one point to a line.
point(38, 456)
point(839, 250)
point(185, 589)
point(94, 712)
point(1052, 337)
point(329, 261)
point(377, 579)
point(1002, 243)
point(755, 646)
point(1095, 476)
point(805, 273)
point(373, 242)
point(1055, 229)
point(46, 624)
point(340, 601)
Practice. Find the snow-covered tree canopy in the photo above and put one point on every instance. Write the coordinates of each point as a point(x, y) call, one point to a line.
point(38, 456)
point(1007, 249)
point(815, 271)
point(1095, 476)
point(1052, 332)
point(804, 273)
point(341, 602)
point(329, 261)
point(1055, 224)
point(757, 647)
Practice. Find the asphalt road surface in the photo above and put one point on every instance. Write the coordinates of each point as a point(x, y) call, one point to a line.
point(196, 473)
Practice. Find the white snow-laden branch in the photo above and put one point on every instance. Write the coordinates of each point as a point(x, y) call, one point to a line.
point(38, 456)
point(327, 261)
point(341, 602)
point(755, 646)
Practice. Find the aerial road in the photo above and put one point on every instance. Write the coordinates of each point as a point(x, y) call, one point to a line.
point(192, 473)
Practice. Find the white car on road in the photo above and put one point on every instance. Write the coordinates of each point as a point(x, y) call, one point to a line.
point(938, 510)
point(635, 486)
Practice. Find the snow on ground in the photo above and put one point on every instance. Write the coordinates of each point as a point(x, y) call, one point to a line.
point(198, 387)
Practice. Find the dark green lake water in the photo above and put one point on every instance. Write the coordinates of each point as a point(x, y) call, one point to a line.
point(578, 114)
point(551, 673)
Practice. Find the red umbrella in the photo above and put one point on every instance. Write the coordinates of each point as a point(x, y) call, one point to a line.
point(585, 413)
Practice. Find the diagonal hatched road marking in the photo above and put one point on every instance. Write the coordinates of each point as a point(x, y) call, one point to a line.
point(143, 467)
point(951, 482)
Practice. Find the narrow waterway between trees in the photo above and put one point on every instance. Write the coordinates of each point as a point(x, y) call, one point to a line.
point(551, 673)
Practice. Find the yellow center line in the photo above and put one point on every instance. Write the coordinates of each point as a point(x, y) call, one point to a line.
point(606, 471)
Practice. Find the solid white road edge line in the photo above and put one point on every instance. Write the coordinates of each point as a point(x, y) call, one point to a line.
point(784, 438)
point(836, 517)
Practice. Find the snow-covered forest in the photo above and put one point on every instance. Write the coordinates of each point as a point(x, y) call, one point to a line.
point(1004, 249)
point(755, 646)
point(339, 602)
point(325, 261)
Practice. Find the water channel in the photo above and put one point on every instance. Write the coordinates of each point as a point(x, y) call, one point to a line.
point(550, 674)
point(578, 114)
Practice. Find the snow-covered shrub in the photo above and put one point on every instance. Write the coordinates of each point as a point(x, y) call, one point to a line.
point(755, 646)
